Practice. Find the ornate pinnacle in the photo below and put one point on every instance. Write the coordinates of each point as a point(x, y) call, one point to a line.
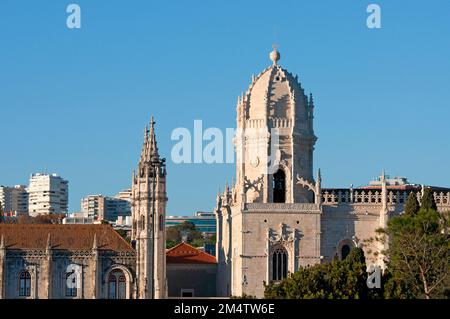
point(49, 242)
point(311, 100)
point(94, 244)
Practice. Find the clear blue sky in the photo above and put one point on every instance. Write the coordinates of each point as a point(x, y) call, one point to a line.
point(75, 102)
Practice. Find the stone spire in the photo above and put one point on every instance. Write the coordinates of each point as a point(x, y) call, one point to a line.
point(149, 151)
point(144, 144)
point(384, 193)
point(318, 188)
point(49, 243)
point(311, 100)
point(94, 244)
point(153, 151)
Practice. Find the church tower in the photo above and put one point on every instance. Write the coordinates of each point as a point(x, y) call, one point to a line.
point(268, 223)
point(149, 201)
point(275, 140)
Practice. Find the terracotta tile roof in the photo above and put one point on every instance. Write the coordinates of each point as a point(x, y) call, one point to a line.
point(62, 237)
point(186, 254)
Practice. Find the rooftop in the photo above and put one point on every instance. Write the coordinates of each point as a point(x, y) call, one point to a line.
point(186, 254)
point(62, 237)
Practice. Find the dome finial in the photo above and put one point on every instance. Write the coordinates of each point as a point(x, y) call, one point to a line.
point(274, 55)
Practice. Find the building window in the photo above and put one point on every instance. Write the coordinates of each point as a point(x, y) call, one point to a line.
point(71, 284)
point(345, 250)
point(117, 285)
point(279, 264)
point(24, 284)
point(279, 187)
point(187, 293)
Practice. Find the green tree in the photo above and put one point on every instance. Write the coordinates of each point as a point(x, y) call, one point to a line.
point(344, 279)
point(123, 233)
point(418, 254)
point(1, 213)
point(174, 234)
point(427, 202)
point(412, 205)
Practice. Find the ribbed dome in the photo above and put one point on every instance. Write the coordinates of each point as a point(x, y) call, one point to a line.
point(275, 94)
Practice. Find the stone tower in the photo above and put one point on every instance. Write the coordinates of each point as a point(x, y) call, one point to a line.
point(268, 223)
point(149, 201)
point(275, 140)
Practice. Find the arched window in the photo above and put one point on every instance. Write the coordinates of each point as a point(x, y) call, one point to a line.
point(71, 284)
point(345, 250)
point(117, 285)
point(279, 187)
point(279, 264)
point(25, 284)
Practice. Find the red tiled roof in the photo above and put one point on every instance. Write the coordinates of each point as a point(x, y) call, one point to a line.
point(186, 254)
point(62, 237)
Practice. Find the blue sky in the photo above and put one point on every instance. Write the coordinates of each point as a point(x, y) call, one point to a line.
point(75, 102)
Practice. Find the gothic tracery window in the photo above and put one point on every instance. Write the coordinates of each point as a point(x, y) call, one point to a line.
point(279, 187)
point(117, 284)
point(279, 264)
point(25, 284)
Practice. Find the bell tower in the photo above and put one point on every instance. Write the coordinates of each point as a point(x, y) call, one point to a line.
point(275, 138)
point(149, 201)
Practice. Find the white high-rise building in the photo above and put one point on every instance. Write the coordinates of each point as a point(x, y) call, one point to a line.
point(14, 199)
point(101, 207)
point(48, 194)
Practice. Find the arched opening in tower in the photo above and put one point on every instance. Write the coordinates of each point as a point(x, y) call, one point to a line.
point(345, 251)
point(279, 187)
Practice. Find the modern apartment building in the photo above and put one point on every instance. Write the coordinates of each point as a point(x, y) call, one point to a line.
point(101, 207)
point(48, 194)
point(126, 194)
point(205, 222)
point(14, 199)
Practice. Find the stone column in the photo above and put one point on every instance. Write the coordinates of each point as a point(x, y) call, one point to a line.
point(95, 272)
point(47, 268)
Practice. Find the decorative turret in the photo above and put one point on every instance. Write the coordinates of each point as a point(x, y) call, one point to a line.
point(49, 243)
point(94, 244)
point(311, 101)
point(149, 200)
point(318, 190)
point(149, 153)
